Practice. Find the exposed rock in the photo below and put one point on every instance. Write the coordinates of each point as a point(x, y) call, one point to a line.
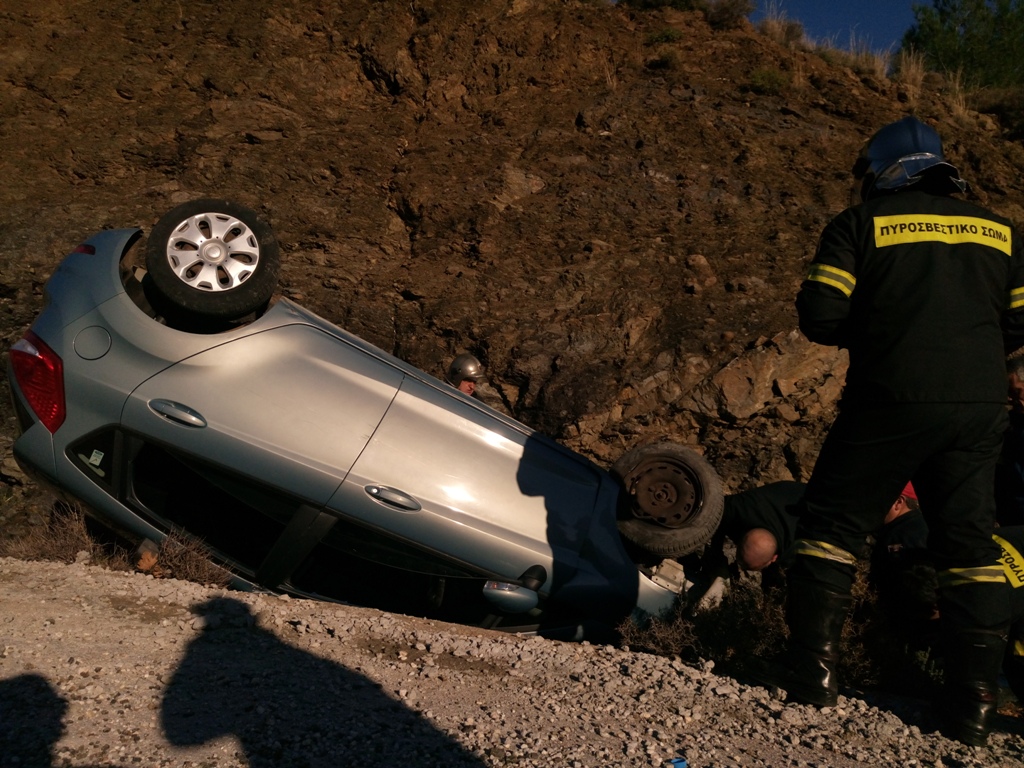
point(744, 386)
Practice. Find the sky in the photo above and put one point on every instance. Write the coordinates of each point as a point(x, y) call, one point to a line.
point(877, 23)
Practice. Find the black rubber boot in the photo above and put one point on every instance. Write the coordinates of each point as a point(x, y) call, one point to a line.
point(970, 695)
point(807, 669)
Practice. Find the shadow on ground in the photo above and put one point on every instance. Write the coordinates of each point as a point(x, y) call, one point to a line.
point(288, 707)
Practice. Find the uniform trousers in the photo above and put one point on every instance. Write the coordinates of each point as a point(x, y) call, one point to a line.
point(949, 451)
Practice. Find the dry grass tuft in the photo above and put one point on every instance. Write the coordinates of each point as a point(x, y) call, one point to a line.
point(70, 536)
point(909, 69)
point(857, 55)
point(67, 537)
point(187, 558)
point(798, 75)
point(957, 93)
point(777, 27)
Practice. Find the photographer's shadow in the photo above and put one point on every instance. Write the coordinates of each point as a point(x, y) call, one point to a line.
point(289, 707)
point(31, 720)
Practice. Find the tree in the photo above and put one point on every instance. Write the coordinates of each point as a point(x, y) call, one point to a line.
point(981, 40)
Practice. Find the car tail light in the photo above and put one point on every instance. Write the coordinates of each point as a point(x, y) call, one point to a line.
point(85, 248)
point(40, 375)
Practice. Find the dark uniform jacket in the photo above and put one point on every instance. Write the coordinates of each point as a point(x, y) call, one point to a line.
point(954, 267)
point(772, 506)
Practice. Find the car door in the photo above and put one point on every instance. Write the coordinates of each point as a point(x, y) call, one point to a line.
point(443, 472)
point(290, 408)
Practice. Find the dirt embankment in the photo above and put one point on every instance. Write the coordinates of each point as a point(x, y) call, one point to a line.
point(609, 208)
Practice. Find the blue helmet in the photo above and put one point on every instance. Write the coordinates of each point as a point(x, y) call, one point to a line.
point(898, 156)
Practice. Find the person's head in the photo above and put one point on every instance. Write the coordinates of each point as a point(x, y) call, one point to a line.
point(905, 502)
point(464, 372)
point(757, 550)
point(1015, 381)
point(906, 154)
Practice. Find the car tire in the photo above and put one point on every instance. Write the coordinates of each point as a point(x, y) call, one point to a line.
point(213, 260)
point(672, 499)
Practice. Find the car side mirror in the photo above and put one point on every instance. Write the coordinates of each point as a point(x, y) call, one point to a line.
point(520, 596)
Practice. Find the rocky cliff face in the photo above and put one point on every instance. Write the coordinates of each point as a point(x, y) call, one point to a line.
point(611, 209)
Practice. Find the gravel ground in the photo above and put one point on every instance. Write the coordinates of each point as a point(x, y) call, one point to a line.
point(99, 668)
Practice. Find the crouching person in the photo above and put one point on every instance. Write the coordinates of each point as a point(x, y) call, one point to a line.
point(760, 523)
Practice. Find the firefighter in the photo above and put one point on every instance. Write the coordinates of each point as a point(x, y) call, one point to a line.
point(926, 291)
point(1011, 543)
point(761, 522)
point(903, 576)
point(464, 372)
point(907, 580)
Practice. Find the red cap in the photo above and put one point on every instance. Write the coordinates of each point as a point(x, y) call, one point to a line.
point(909, 492)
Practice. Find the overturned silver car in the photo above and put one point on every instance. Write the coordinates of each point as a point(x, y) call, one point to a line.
point(179, 397)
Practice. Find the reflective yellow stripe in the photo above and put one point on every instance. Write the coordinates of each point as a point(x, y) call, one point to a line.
point(1013, 563)
point(983, 574)
point(1018, 647)
point(1016, 298)
point(837, 278)
point(824, 550)
point(913, 228)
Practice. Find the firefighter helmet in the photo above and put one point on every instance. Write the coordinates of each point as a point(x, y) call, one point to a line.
point(902, 154)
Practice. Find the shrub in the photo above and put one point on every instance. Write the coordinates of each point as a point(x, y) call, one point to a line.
point(667, 60)
point(664, 36)
point(728, 14)
point(1007, 104)
point(768, 82)
point(745, 624)
point(186, 558)
point(750, 623)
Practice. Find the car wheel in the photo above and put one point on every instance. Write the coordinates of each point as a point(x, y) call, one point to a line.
point(213, 259)
point(672, 499)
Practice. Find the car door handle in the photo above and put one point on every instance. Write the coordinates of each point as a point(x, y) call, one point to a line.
point(393, 497)
point(176, 412)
